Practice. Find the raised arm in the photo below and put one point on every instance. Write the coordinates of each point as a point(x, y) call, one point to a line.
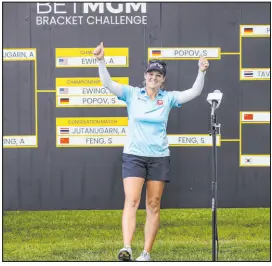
point(188, 95)
point(104, 75)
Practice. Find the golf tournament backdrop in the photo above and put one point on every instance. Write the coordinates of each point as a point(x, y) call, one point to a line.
point(64, 133)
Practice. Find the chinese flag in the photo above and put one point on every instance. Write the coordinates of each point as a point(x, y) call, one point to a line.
point(248, 116)
point(64, 141)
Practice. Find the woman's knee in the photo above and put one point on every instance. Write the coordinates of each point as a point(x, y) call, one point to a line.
point(153, 205)
point(132, 203)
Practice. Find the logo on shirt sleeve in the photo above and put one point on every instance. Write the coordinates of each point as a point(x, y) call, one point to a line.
point(160, 102)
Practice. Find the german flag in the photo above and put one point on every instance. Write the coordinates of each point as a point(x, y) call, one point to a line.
point(156, 52)
point(248, 30)
point(248, 116)
point(64, 100)
point(64, 140)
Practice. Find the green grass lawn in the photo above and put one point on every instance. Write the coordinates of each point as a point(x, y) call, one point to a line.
point(184, 235)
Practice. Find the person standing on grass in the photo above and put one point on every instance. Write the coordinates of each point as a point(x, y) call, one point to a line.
point(146, 156)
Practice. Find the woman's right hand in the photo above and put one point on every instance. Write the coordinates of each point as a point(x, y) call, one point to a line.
point(99, 52)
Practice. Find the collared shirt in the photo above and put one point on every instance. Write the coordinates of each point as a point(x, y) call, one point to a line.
point(147, 121)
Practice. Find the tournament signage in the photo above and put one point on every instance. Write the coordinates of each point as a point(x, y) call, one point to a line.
point(21, 54)
point(192, 140)
point(84, 57)
point(255, 30)
point(111, 132)
point(86, 92)
point(91, 132)
point(68, 14)
point(19, 141)
point(255, 117)
point(184, 53)
point(17, 54)
point(255, 74)
point(255, 160)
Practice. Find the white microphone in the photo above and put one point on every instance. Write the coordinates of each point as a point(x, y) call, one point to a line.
point(215, 99)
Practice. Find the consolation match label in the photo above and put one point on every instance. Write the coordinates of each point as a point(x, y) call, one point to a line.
point(255, 30)
point(255, 74)
point(19, 141)
point(86, 92)
point(91, 132)
point(112, 132)
point(84, 57)
point(184, 53)
point(19, 54)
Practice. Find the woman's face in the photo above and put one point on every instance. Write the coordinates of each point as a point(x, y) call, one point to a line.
point(153, 79)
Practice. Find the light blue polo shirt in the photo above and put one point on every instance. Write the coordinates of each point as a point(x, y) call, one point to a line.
point(147, 121)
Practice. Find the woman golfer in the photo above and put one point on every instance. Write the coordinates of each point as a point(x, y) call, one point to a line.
point(146, 155)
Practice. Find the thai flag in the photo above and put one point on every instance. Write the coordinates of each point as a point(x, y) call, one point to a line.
point(64, 130)
point(248, 74)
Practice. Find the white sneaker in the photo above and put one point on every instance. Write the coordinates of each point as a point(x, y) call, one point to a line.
point(125, 254)
point(145, 256)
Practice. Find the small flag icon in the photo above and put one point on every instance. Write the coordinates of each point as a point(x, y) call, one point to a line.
point(156, 52)
point(248, 116)
point(64, 130)
point(64, 140)
point(63, 61)
point(248, 74)
point(248, 30)
point(247, 160)
point(63, 90)
point(64, 100)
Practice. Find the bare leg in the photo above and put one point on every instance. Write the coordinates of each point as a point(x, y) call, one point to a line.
point(153, 200)
point(133, 189)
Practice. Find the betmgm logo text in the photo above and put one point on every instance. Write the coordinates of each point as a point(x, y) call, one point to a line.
point(91, 13)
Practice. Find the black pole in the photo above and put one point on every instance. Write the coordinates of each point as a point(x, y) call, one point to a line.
point(214, 187)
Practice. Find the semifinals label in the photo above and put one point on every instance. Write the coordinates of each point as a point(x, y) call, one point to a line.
point(255, 30)
point(184, 53)
point(255, 117)
point(19, 54)
point(86, 92)
point(255, 160)
point(84, 57)
point(17, 141)
point(255, 74)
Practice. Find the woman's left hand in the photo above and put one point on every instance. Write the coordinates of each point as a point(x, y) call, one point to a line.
point(203, 64)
